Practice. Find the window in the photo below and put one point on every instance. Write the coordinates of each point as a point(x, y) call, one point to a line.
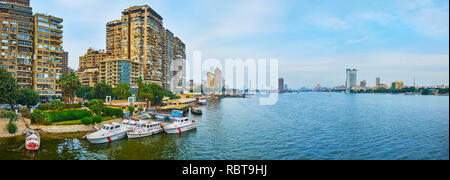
point(43, 24)
point(5, 41)
point(23, 36)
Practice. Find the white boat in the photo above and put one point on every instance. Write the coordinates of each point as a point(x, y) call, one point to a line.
point(145, 129)
point(180, 125)
point(32, 141)
point(129, 124)
point(202, 101)
point(108, 133)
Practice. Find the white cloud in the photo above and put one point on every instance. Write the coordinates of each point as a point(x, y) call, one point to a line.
point(329, 22)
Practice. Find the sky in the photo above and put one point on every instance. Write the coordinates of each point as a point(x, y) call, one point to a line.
point(314, 41)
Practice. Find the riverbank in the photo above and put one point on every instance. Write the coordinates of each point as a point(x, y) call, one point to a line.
point(54, 129)
point(21, 127)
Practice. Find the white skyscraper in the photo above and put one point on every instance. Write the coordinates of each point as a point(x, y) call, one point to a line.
point(351, 80)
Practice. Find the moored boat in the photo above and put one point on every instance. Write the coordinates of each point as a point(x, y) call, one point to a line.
point(202, 101)
point(145, 129)
point(180, 125)
point(108, 133)
point(196, 110)
point(32, 141)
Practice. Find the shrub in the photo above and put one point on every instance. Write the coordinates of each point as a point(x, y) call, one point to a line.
point(72, 106)
point(112, 112)
point(87, 121)
point(12, 128)
point(68, 115)
point(97, 119)
point(96, 106)
point(39, 117)
point(43, 106)
point(56, 105)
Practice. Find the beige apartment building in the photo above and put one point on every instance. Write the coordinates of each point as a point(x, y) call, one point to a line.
point(139, 36)
point(115, 71)
point(16, 28)
point(89, 66)
point(48, 56)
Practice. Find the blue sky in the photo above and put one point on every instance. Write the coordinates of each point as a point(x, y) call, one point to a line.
point(315, 41)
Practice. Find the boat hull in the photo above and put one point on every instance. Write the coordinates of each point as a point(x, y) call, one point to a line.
point(32, 147)
point(141, 135)
point(179, 130)
point(108, 139)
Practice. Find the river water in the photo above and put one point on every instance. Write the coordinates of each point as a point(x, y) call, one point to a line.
point(300, 126)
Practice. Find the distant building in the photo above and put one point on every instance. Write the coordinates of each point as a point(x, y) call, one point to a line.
point(280, 84)
point(218, 80)
point(379, 85)
point(397, 85)
point(378, 81)
point(286, 87)
point(363, 84)
point(351, 80)
point(209, 83)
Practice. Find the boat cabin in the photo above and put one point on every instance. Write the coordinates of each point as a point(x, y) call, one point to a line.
point(181, 120)
point(109, 127)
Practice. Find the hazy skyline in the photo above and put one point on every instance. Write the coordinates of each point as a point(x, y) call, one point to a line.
point(315, 41)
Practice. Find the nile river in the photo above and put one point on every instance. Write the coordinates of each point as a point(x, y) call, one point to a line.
point(300, 126)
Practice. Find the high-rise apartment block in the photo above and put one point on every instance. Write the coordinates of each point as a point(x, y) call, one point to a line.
point(48, 55)
point(31, 47)
point(280, 85)
point(16, 27)
point(139, 37)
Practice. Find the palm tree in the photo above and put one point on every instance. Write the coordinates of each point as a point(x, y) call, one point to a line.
point(69, 86)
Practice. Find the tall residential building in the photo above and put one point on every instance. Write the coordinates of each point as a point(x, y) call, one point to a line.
point(139, 37)
point(65, 63)
point(114, 71)
point(351, 79)
point(280, 84)
point(88, 76)
point(218, 80)
point(170, 58)
point(47, 53)
point(16, 28)
point(178, 76)
point(378, 81)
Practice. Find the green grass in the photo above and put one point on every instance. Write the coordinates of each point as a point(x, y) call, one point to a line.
point(77, 122)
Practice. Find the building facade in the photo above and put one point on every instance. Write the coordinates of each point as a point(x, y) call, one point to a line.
point(48, 66)
point(65, 63)
point(88, 76)
point(139, 37)
point(170, 58)
point(16, 56)
point(92, 58)
point(218, 80)
point(397, 85)
point(114, 71)
point(351, 78)
point(363, 84)
point(280, 85)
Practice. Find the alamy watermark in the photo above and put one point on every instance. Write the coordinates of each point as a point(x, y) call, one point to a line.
point(253, 75)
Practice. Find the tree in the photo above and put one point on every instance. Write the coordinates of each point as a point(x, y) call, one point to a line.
point(131, 110)
point(8, 88)
point(96, 106)
point(102, 90)
point(122, 91)
point(69, 86)
point(13, 117)
point(28, 97)
point(56, 105)
point(86, 92)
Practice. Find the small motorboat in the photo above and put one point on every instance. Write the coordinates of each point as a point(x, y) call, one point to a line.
point(145, 129)
point(202, 101)
point(180, 125)
point(32, 141)
point(129, 124)
point(196, 110)
point(109, 132)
